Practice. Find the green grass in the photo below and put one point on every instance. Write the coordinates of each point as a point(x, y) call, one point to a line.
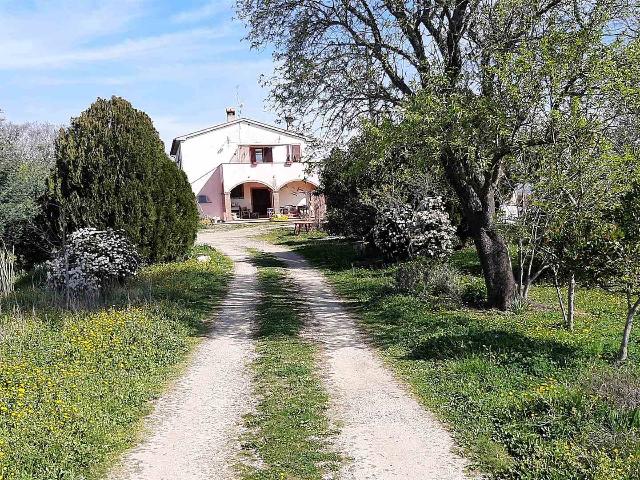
point(289, 434)
point(74, 385)
point(226, 227)
point(525, 398)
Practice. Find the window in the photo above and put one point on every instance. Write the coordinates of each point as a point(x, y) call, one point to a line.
point(238, 192)
point(203, 199)
point(261, 155)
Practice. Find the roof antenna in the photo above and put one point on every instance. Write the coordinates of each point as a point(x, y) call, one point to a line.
point(238, 102)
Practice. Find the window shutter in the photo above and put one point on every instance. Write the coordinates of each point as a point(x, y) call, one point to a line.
point(253, 155)
point(268, 155)
point(295, 153)
point(246, 155)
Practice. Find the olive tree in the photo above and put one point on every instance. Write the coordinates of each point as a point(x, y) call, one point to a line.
point(575, 184)
point(478, 81)
point(26, 157)
point(613, 258)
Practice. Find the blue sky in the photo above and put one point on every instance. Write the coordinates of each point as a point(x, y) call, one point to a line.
point(182, 62)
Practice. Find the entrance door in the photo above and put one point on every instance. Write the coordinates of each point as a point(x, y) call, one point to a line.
point(260, 200)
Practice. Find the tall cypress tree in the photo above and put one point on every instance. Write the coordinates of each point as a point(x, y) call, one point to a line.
point(111, 171)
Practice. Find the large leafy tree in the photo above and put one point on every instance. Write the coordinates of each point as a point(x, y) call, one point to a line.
point(111, 171)
point(479, 81)
point(377, 167)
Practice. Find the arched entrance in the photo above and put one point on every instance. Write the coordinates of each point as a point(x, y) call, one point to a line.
point(295, 196)
point(248, 200)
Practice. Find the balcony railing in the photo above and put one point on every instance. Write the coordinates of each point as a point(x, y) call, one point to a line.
point(283, 153)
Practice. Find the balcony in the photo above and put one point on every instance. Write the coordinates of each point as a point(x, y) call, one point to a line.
point(273, 175)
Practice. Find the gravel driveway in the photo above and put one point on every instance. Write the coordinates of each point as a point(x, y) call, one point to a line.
point(384, 431)
point(194, 428)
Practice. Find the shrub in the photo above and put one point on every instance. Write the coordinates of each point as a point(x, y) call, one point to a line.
point(518, 305)
point(402, 231)
point(375, 163)
point(443, 281)
point(111, 171)
point(92, 259)
point(428, 279)
point(410, 277)
point(619, 387)
point(474, 294)
point(176, 215)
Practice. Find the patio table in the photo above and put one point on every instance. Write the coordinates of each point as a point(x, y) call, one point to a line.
point(307, 225)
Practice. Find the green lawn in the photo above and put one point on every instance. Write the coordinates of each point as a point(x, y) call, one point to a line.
point(74, 385)
point(289, 434)
point(525, 398)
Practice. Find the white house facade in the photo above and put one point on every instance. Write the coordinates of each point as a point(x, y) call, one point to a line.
point(246, 169)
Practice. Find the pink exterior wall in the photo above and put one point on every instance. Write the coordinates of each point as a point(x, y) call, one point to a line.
point(214, 190)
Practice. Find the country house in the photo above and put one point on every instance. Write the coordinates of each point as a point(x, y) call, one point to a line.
point(245, 169)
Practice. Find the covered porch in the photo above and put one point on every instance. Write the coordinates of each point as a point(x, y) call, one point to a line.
point(254, 200)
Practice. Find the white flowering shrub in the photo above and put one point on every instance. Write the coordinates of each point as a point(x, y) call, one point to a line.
point(403, 231)
point(92, 259)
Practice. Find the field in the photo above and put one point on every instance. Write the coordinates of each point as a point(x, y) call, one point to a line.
point(74, 384)
point(524, 398)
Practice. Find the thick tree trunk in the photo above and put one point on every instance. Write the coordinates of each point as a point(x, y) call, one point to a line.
point(479, 207)
point(623, 354)
point(496, 266)
point(571, 295)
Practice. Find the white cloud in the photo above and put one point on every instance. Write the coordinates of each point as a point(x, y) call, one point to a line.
point(65, 23)
point(204, 12)
point(59, 55)
point(189, 72)
point(130, 48)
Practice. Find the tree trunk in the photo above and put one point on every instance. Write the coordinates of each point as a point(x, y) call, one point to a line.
point(521, 268)
point(496, 266)
point(557, 285)
point(531, 279)
point(623, 354)
point(571, 294)
point(479, 207)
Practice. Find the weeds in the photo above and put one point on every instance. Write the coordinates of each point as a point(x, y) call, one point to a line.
point(289, 434)
point(74, 384)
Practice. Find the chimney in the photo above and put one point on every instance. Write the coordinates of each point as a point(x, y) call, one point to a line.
point(289, 121)
point(231, 114)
